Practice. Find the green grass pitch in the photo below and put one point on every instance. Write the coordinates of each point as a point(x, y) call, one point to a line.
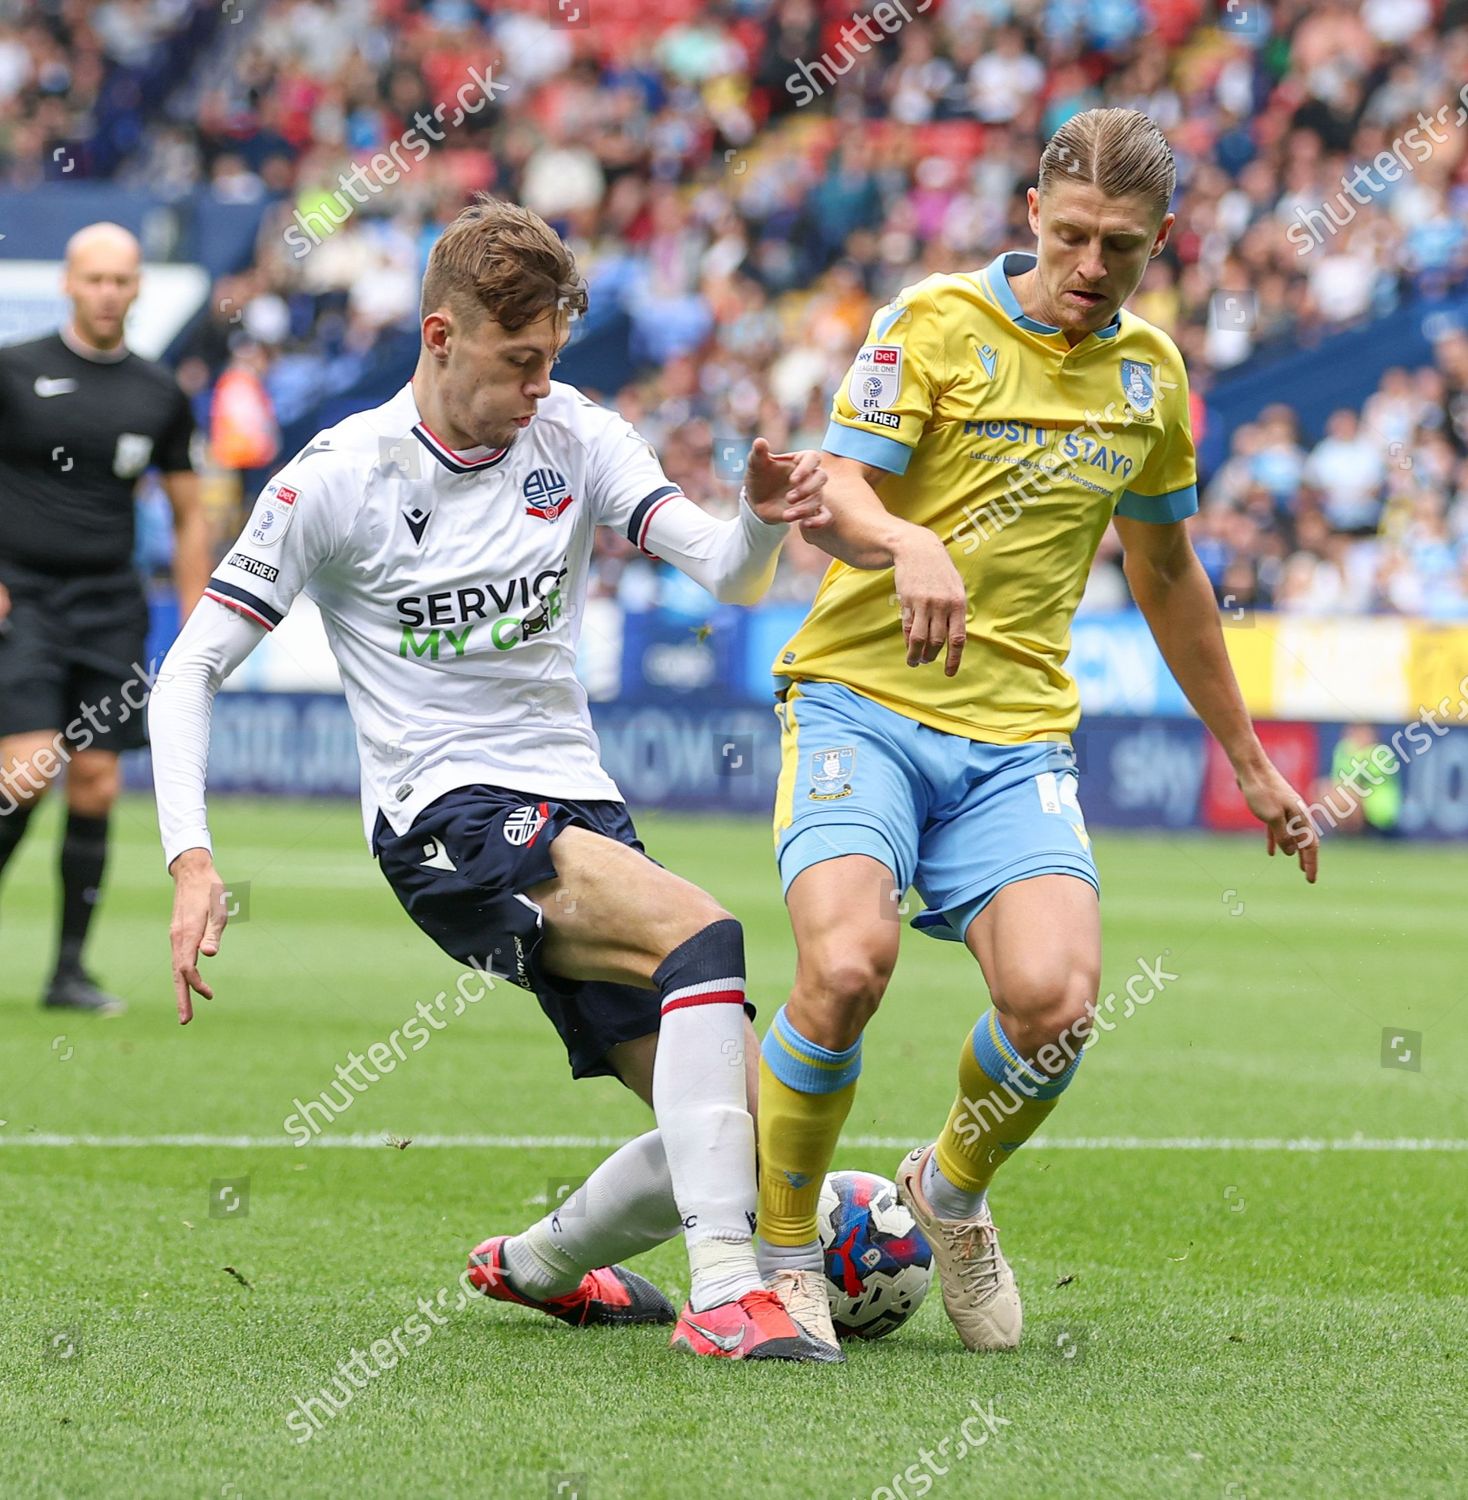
point(1227, 1314)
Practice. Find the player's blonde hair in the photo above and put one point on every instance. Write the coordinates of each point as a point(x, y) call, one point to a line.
point(1120, 151)
point(503, 260)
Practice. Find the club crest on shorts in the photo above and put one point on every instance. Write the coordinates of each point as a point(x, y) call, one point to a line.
point(522, 825)
point(1136, 384)
point(830, 773)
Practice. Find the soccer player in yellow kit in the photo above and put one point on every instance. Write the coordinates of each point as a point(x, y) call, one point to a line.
point(991, 427)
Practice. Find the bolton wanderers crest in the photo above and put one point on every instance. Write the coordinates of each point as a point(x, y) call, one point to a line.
point(546, 494)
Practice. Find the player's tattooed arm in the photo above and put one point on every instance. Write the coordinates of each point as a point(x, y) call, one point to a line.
point(865, 534)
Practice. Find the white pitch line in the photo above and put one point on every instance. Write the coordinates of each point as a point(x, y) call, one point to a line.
point(1307, 1144)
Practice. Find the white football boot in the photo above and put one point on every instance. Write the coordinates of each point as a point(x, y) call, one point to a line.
point(979, 1291)
point(804, 1296)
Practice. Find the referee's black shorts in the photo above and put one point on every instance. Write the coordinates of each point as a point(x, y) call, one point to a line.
point(71, 658)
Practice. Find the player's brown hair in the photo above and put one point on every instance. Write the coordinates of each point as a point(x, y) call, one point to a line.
point(503, 260)
point(1121, 151)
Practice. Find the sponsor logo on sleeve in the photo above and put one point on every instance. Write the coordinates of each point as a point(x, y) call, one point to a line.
point(254, 567)
point(273, 512)
point(882, 418)
point(876, 376)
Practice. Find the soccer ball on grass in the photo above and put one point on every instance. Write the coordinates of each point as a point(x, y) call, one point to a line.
point(878, 1265)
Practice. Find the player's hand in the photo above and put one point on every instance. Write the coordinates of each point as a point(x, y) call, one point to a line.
point(4, 602)
point(1284, 814)
point(785, 486)
point(933, 599)
point(199, 919)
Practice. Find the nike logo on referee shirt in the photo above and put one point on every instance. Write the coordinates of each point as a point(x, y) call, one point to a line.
point(46, 386)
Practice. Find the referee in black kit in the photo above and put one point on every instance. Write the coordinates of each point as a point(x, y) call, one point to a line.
point(81, 418)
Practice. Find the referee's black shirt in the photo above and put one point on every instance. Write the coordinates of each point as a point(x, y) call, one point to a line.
point(75, 434)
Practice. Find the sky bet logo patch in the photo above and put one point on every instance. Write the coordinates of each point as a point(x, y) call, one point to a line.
point(273, 514)
point(545, 495)
point(876, 377)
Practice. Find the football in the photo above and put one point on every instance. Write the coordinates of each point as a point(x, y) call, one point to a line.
point(878, 1265)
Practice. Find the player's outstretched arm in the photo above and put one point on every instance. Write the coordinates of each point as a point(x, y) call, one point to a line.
point(1176, 599)
point(785, 487)
point(211, 645)
point(863, 533)
point(735, 559)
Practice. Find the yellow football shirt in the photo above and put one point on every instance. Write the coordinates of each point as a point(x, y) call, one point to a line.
point(1016, 449)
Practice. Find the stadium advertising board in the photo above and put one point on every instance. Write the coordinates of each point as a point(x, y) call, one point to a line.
point(701, 755)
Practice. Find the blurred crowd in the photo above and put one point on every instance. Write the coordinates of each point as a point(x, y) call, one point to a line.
point(79, 80)
point(744, 181)
point(1373, 518)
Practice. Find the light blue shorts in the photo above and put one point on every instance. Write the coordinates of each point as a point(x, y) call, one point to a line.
point(955, 818)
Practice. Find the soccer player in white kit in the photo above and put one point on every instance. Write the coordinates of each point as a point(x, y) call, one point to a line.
point(446, 537)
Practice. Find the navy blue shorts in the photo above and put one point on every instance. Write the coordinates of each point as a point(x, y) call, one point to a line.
point(460, 872)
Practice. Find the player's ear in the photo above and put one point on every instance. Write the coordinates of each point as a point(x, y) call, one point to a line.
point(1163, 230)
point(437, 330)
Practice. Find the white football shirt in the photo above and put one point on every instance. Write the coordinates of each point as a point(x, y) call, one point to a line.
point(452, 586)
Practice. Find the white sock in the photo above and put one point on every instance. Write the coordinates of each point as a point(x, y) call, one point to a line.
point(625, 1207)
point(708, 1137)
point(705, 1124)
point(774, 1258)
point(948, 1200)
